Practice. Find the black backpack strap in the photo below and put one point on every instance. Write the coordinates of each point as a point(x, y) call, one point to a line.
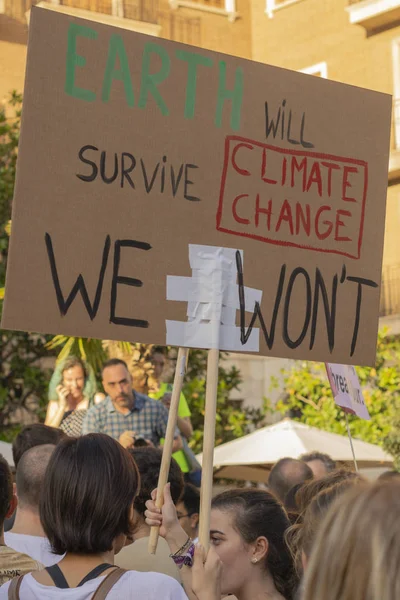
point(108, 583)
point(13, 590)
point(57, 576)
point(95, 573)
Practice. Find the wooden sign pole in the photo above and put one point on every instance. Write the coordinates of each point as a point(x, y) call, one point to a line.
point(208, 447)
point(353, 395)
point(180, 370)
point(351, 441)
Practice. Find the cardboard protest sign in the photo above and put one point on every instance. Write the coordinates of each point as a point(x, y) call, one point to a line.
point(346, 389)
point(163, 188)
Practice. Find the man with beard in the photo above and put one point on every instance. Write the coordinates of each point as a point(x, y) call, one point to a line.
point(126, 415)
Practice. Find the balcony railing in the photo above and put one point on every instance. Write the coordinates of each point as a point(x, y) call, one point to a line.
point(17, 9)
point(390, 291)
point(212, 3)
point(138, 10)
point(180, 29)
point(141, 10)
point(225, 8)
point(273, 5)
point(100, 6)
point(374, 15)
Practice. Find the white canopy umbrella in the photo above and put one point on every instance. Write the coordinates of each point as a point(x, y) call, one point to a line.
point(5, 450)
point(252, 456)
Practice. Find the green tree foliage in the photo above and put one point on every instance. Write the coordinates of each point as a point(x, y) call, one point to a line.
point(23, 383)
point(90, 350)
point(308, 398)
point(391, 442)
point(10, 120)
point(232, 421)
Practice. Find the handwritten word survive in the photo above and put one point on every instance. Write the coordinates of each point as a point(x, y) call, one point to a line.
point(126, 170)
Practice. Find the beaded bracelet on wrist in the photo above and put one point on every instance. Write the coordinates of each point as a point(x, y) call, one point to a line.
point(182, 549)
point(185, 559)
point(185, 554)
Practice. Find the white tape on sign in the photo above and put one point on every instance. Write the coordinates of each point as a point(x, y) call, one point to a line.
point(199, 335)
point(184, 289)
point(202, 257)
point(206, 311)
point(212, 296)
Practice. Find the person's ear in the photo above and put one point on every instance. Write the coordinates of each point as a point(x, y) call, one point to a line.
point(13, 506)
point(119, 542)
point(259, 550)
point(194, 520)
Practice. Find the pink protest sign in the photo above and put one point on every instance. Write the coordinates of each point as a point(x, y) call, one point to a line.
point(346, 389)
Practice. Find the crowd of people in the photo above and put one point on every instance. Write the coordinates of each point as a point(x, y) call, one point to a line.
point(75, 520)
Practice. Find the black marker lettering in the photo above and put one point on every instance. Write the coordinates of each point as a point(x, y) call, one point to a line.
point(126, 170)
point(286, 338)
point(244, 335)
point(95, 169)
point(289, 139)
point(302, 140)
point(188, 182)
point(119, 280)
point(148, 185)
point(79, 286)
point(330, 312)
point(273, 125)
point(103, 168)
point(283, 119)
point(360, 281)
point(163, 174)
point(175, 182)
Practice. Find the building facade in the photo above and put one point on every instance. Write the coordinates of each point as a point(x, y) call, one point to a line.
point(355, 42)
point(222, 25)
point(352, 41)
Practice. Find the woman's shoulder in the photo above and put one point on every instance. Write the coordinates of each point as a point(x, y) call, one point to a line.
point(27, 579)
point(146, 586)
point(149, 586)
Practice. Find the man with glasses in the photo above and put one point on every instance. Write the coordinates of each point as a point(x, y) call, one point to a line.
point(188, 509)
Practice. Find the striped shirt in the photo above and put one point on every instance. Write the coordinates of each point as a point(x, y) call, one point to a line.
point(148, 419)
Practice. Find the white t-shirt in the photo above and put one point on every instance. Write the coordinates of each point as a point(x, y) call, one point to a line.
point(35, 546)
point(132, 586)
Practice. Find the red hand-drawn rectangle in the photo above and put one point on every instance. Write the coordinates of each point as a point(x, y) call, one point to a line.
point(298, 211)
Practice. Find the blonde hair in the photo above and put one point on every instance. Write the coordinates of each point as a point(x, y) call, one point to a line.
point(301, 536)
point(356, 555)
point(313, 501)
